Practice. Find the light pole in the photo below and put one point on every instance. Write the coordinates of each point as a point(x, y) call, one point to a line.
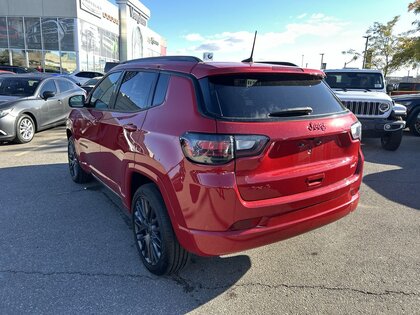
point(364, 54)
point(302, 60)
point(322, 60)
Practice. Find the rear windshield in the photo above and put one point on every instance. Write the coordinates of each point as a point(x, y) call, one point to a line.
point(267, 96)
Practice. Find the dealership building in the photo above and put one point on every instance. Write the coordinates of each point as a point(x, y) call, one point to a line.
point(70, 35)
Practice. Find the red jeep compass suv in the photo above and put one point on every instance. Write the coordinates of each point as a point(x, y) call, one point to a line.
point(214, 158)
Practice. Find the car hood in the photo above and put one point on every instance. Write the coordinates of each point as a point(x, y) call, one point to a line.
point(362, 95)
point(5, 100)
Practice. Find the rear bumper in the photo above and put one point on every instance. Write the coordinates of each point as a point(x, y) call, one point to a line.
point(275, 228)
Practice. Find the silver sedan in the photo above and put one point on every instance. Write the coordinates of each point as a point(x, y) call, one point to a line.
point(31, 103)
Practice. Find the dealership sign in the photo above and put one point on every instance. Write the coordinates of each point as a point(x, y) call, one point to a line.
point(135, 15)
point(92, 7)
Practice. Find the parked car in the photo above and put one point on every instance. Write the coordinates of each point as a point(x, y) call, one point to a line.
point(6, 72)
point(363, 91)
point(109, 65)
point(17, 69)
point(90, 84)
point(30, 103)
point(70, 78)
point(412, 103)
point(406, 88)
point(215, 158)
point(83, 76)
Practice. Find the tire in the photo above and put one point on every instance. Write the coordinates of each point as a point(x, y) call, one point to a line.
point(25, 129)
point(391, 140)
point(155, 239)
point(78, 175)
point(415, 124)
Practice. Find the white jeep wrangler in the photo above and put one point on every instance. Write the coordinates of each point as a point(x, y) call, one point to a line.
point(363, 91)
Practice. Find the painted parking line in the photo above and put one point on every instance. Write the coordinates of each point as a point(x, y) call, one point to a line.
point(37, 148)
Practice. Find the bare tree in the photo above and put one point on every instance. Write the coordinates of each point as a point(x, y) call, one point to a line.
point(353, 54)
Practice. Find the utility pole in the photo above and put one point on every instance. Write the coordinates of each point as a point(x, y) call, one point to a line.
point(365, 52)
point(322, 60)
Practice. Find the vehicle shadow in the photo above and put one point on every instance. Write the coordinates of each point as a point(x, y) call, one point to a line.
point(73, 245)
point(41, 139)
point(400, 183)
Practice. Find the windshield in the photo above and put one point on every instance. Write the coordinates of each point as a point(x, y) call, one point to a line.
point(355, 80)
point(267, 96)
point(18, 86)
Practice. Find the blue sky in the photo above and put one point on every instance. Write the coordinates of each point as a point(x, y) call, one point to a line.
point(286, 29)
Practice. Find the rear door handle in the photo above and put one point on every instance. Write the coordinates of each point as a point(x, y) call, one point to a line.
point(130, 127)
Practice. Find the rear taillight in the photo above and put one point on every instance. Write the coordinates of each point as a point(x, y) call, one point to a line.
point(220, 149)
point(356, 130)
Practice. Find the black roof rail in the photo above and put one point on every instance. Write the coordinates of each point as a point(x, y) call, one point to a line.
point(165, 58)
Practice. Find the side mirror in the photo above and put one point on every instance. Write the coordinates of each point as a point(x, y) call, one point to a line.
point(389, 88)
point(47, 94)
point(77, 101)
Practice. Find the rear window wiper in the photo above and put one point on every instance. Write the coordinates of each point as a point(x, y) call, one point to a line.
point(289, 112)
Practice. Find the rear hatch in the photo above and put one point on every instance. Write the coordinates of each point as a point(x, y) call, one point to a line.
point(310, 147)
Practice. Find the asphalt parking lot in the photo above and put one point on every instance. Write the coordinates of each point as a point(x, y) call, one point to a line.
point(68, 248)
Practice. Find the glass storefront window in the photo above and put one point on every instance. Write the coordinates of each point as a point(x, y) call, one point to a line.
point(18, 57)
point(67, 41)
point(51, 44)
point(35, 59)
point(50, 33)
point(52, 61)
point(3, 33)
point(15, 29)
point(33, 33)
point(4, 57)
point(68, 62)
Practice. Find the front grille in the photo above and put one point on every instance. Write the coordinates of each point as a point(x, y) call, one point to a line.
point(363, 108)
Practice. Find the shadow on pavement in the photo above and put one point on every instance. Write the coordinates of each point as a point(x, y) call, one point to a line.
point(71, 250)
point(400, 183)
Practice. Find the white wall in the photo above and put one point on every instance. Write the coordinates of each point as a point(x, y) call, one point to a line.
point(50, 8)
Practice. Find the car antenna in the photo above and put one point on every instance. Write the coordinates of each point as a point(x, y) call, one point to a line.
point(252, 51)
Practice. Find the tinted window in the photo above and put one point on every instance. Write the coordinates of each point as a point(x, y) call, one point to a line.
point(354, 80)
point(65, 85)
point(48, 86)
point(161, 89)
point(18, 86)
point(92, 81)
point(103, 94)
point(256, 96)
point(135, 91)
point(84, 75)
point(409, 87)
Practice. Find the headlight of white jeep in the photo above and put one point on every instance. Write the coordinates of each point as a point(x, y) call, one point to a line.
point(384, 107)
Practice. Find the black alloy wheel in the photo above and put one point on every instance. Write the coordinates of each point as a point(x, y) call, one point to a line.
point(147, 231)
point(155, 239)
point(77, 174)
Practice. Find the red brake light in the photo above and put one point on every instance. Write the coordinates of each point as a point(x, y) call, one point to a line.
point(220, 149)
